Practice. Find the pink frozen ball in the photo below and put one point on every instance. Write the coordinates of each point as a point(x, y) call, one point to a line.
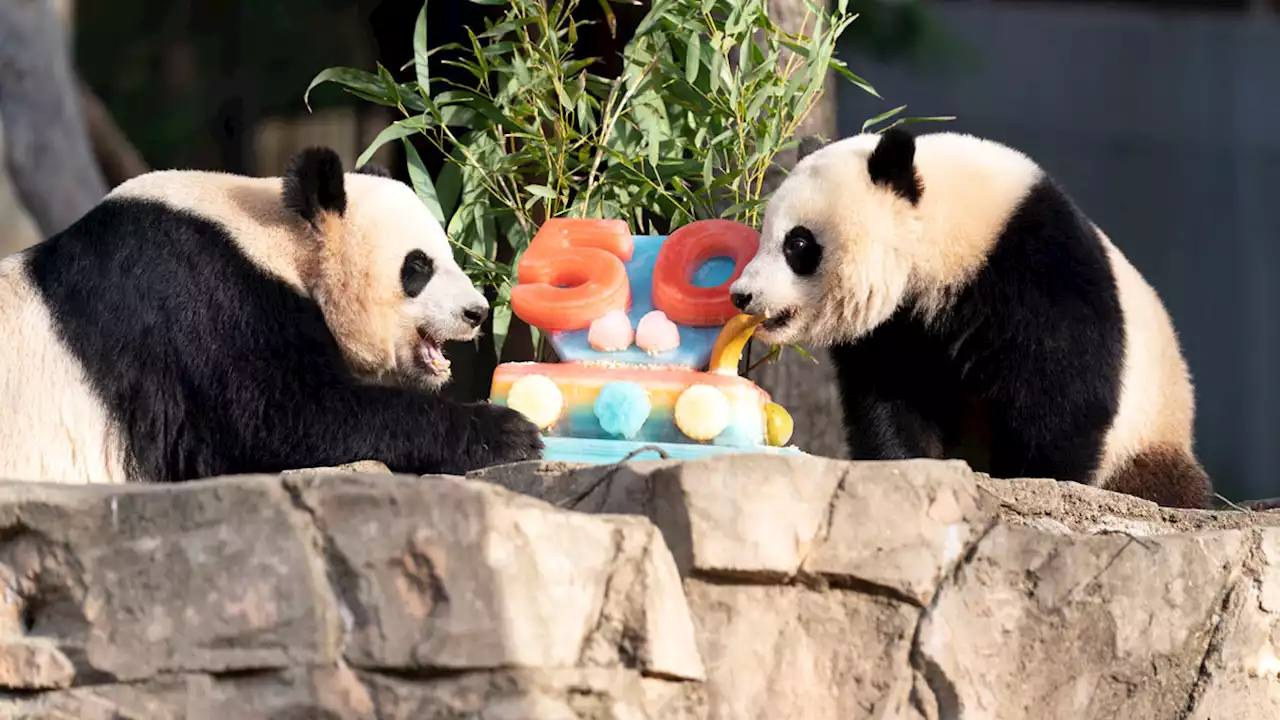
point(611, 332)
point(656, 334)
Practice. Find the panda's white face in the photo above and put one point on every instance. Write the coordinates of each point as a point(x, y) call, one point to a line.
point(390, 289)
point(835, 257)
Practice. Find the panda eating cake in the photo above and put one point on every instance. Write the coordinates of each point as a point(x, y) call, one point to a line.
point(649, 341)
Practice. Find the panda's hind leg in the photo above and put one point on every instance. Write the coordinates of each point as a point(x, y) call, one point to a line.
point(1165, 475)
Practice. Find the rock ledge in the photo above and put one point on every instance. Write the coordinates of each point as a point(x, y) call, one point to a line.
point(751, 587)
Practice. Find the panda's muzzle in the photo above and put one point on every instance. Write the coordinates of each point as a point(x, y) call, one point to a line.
point(778, 321)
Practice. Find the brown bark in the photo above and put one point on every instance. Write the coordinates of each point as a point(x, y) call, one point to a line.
point(807, 391)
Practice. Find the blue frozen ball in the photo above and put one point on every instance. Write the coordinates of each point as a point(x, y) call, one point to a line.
point(622, 407)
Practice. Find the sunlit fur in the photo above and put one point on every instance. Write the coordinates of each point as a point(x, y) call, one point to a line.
point(882, 253)
point(56, 429)
point(199, 402)
point(878, 248)
point(350, 267)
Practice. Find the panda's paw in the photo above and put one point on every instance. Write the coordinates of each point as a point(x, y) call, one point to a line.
point(504, 436)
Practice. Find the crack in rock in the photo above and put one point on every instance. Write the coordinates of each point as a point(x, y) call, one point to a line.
point(340, 576)
point(946, 698)
point(1232, 596)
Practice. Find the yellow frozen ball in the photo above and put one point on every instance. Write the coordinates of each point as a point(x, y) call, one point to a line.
point(537, 398)
point(702, 412)
point(777, 424)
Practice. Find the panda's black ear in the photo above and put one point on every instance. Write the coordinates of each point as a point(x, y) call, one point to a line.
point(313, 184)
point(893, 164)
point(372, 168)
point(809, 144)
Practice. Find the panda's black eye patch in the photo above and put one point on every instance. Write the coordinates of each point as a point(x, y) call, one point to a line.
point(802, 251)
point(416, 272)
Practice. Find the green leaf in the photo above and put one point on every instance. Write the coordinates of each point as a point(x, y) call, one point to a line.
point(610, 19)
point(395, 131)
point(420, 54)
point(541, 191)
point(903, 121)
point(449, 187)
point(693, 59)
point(421, 180)
point(802, 353)
point(882, 117)
point(353, 80)
point(501, 324)
point(389, 85)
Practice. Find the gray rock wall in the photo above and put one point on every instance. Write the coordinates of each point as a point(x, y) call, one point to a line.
point(747, 587)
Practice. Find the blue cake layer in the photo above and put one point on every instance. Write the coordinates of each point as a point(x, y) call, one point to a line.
point(608, 452)
point(694, 351)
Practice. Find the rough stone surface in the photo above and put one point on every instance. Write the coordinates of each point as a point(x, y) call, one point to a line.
point(788, 651)
point(731, 588)
point(571, 694)
point(366, 467)
point(1117, 626)
point(209, 576)
point(434, 574)
point(925, 590)
point(32, 663)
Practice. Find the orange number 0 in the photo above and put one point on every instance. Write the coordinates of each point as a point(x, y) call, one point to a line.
point(572, 273)
point(683, 253)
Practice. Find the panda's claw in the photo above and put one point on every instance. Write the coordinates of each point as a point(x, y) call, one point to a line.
point(502, 436)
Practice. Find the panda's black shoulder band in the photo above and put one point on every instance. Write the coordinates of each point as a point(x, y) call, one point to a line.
point(313, 183)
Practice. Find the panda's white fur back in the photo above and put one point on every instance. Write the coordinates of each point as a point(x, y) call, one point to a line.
point(249, 208)
point(55, 428)
point(1157, 404)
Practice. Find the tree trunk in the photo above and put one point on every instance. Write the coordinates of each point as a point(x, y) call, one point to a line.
point(17, 230)
point(49, 158)
point(806, 390)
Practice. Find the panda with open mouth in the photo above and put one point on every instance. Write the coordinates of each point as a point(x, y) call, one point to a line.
point(195, 324)
point(972, 311)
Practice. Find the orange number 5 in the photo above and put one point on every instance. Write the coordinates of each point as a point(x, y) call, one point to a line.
point(683, 253)
point(572, 273)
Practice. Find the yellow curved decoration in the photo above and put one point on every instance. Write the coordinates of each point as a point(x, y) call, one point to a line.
point(732, 340)
point(777, 425)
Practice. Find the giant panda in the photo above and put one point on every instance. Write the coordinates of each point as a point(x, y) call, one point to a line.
point(195, 324)
point(973, 311)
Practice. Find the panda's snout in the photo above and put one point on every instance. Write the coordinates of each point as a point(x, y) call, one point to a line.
point(742, 301)
point(475, 314)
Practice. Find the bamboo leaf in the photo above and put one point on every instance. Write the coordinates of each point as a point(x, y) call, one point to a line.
point(449, 188)
point(350, 79)
point(421, 181)
point(693, 59)
point(882, 117)
point(395, 131)
point(610, 19)
point(420, 54)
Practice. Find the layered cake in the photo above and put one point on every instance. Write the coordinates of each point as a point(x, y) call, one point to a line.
point(649, 344)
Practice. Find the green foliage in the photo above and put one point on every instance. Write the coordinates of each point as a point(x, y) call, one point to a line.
point(711, 91)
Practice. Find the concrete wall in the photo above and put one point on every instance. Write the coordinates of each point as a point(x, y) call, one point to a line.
point(1163, 126)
